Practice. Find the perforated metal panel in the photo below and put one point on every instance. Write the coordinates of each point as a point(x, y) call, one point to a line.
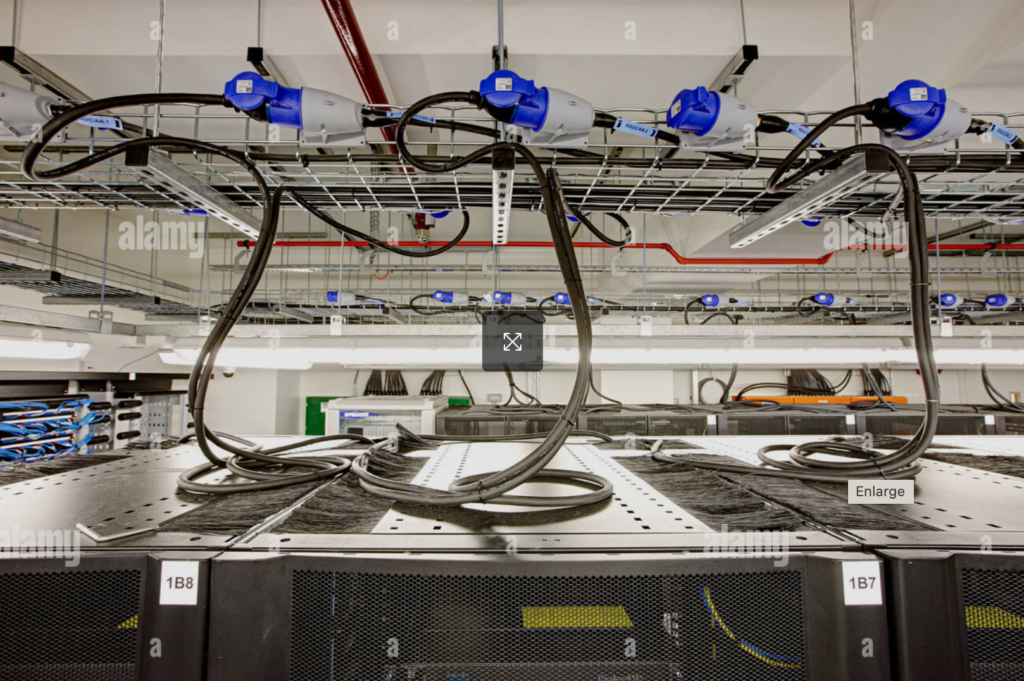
point(994, 619)
point(71, 625)
point(358, 626)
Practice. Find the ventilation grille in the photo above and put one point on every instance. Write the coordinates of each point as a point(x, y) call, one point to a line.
point(617, 425)
point(757, 425)
point(681, 425)
point(377, 626)
point(467, 425)
point(817, 425)
point(69, 625)
point(1013, 425)
point(994, 616)
point(906, 424)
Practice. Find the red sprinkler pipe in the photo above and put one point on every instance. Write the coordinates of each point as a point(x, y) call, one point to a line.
point(346, 27)
point(547, 244)
point(657, 246)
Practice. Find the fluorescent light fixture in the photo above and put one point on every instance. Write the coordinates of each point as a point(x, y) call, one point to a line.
point(242, 358)
point(466, 352)
point(811, 200)
point(33, 342)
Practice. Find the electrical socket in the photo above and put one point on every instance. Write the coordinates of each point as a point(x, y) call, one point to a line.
point(494, 398)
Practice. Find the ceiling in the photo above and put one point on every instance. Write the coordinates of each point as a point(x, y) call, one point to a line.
point(615, 54)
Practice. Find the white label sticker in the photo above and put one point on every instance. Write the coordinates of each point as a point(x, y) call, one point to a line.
point(243, 87)
point(918, 94)
point(851, 420)
point(990, 420)
point(179, 582)
point(880, 491)
point(502, 83)
point(862, 582)
point(676, 106)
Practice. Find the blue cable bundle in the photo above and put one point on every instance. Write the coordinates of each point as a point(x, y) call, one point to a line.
point(29, 430)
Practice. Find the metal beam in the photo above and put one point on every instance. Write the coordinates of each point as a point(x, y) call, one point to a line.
point(735, 70)
point(34, 72)
point(167, 172)
point(19, 231)
point(807, 202)
point(56, 320)
point(294, 313)
point(264, 65)
point(97, 300)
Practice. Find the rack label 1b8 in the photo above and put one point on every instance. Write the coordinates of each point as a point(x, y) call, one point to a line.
point(179, 582)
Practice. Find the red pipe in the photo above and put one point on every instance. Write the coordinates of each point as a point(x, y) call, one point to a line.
point(346, 27)
point(547, 244)
point(658, 246)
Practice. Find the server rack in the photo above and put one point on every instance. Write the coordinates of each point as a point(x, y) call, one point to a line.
point(956, 615)
point(98, 617)
point(501, 617)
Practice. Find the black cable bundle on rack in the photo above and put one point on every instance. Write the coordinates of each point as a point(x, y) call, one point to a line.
point(858, 461)
point(394, 383)
point(434, 383)
point(805, 382)
point(514, 391)
point(875, 383)
point(280, 466)
point(374, 384)
point(1002, 403)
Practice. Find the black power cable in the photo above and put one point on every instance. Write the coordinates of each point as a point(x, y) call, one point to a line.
point(857, 460)
point(496, 486)
point(726, 386)
point(267, 468)
point(1001, 401)
point(627, 232)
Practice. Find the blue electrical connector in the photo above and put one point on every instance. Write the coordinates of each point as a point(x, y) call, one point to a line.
point(548, 116)
point(695, 111)
point(916, 116)
point(711, 120)
point(504, 89)
point(921, 103)
point(249, 90)
point(951, 300)
point(831, 300)
point(323, 117)
point(451, 297)
point(999, 300)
